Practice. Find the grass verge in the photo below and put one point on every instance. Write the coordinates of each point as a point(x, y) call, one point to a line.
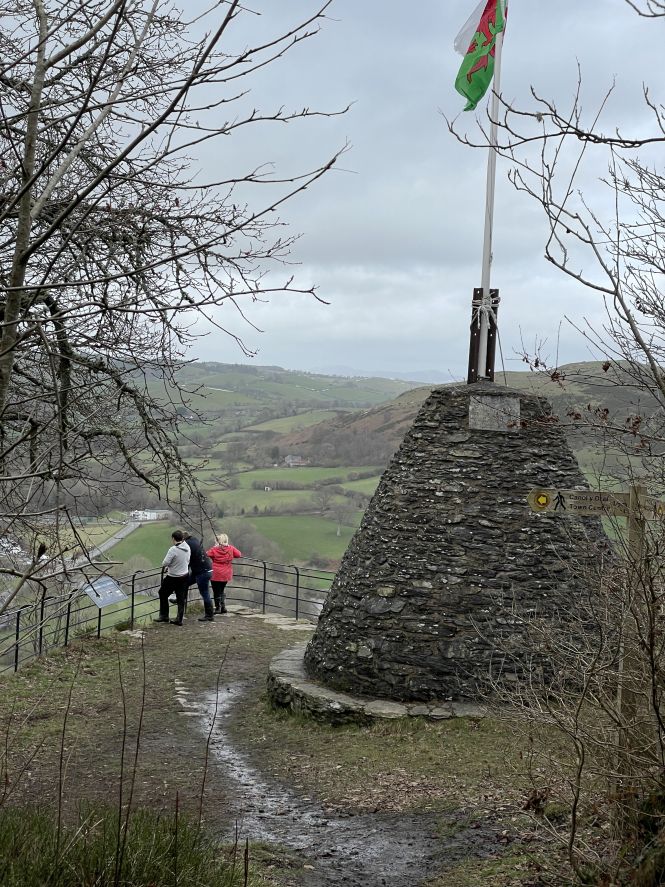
point(102, 848)
point(393, 766)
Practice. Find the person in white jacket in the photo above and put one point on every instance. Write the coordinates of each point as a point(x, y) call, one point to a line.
point(176, 578)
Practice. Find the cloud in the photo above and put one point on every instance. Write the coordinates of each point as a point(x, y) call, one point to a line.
point(394, 239)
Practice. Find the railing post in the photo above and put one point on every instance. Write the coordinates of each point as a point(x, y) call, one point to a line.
point(99, 623)
point(41, 623)
point(131, 618)
point(17, 636)
point(265, 584)
point(297, 569)
point(67, 621)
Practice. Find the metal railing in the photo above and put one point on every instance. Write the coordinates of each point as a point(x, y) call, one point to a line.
point(31, 630)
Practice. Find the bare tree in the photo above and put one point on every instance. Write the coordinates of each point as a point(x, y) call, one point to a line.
point(343, 513)
point(321, 499)
point(112, 244)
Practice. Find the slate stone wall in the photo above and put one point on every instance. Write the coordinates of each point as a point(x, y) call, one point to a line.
point(450, 567)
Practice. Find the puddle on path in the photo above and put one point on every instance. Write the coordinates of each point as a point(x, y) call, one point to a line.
point(355, 851)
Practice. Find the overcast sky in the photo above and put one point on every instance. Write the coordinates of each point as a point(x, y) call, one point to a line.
point(393, 238)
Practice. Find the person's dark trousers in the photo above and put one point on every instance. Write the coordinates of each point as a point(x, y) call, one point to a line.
point(203, 583)
point(180, 588)
point(218, 589)
point(168, 586)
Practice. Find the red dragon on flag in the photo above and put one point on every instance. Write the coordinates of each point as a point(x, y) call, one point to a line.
point(477, 69)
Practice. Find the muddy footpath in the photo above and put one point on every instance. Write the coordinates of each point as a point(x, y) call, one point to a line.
point(334, 847)
point(357, 850)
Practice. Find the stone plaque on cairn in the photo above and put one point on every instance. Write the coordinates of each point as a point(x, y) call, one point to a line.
point(449, 564)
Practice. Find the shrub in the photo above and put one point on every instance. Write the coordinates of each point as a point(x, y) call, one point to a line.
point(318, 561)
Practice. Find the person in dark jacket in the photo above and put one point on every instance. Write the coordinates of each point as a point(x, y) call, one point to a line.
point(176, 578)
point(222, 569)
point(200, 570)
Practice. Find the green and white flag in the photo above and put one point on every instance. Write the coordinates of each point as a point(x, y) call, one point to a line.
point(477, 43)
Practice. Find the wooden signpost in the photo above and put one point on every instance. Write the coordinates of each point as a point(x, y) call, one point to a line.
point(581, 502)
point(637, 507)
point(594, 502)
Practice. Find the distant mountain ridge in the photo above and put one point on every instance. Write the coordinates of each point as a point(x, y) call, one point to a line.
point(361, 420)
point(216, 388)
point(574, 390)
point(433, 377)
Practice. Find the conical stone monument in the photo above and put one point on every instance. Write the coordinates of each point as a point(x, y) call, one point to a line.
point(450, 566)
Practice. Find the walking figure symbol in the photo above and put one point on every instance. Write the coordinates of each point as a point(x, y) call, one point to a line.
point(560, 502)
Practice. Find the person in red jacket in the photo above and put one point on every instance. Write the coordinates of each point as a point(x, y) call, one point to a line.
point(222, 569)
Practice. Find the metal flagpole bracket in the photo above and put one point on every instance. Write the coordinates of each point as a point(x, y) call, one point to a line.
point(480, 308)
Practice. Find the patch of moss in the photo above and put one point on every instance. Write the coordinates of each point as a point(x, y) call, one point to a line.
point(556, 811)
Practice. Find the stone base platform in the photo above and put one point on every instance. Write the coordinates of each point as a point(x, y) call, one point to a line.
point(289, 686)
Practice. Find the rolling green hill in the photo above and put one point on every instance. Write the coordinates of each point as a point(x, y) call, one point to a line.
point(248, 405)
point(346, 430)
point(579, 393)
point(576, 385)
point(215, 386)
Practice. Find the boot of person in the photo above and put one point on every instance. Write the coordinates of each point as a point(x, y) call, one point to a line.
point(208, 615)
point(218, 603)
point(179, 617)
point(163, 613)
point(222, 603)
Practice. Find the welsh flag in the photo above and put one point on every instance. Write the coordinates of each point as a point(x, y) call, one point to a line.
point(477, 43)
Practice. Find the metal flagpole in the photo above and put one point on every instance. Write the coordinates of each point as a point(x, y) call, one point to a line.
point(486, 302)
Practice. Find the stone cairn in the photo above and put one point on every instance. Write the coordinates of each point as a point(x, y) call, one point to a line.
point(449, 568)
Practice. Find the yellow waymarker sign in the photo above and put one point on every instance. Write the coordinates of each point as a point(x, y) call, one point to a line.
point(595, 502)
point(541, 500)
point(579, 502)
